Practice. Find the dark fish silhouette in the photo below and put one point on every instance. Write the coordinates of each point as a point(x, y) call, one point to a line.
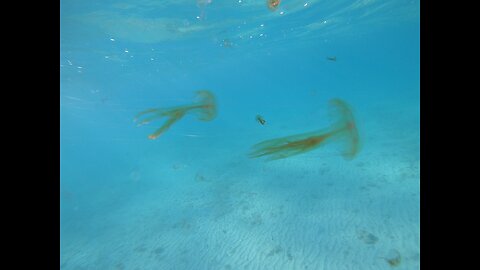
point(260, 119)
point(332, 58)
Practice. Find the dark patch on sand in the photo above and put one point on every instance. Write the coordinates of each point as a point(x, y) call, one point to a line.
point(367, 237)
point(275, 250)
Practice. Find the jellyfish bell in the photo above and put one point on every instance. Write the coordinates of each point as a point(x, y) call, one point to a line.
point(346, 127)
point(207, 107)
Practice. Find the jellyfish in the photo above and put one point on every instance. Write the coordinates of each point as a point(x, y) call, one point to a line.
point(273, 4)
point(205, 108)
point(343, 128)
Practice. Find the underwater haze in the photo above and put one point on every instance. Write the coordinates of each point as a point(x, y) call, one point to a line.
point(239, 134)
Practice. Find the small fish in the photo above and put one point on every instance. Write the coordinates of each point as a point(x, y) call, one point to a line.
point(332, 58)
point(260, 119)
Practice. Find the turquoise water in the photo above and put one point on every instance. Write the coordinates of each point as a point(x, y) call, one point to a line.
point(193, 198)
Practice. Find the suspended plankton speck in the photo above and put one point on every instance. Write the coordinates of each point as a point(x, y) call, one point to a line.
point(261, 35)
point(251, 36)
point(79, 67)
point(106, 56)
point(198, 17)
point(70, 63)
point(306, 4)
point(152, 59)
point(112, 39)
point(126, 50)
point(261, 25)
point(239, 1)
point(281, 12)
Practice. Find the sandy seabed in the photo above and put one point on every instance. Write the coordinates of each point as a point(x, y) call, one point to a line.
point(312, 211)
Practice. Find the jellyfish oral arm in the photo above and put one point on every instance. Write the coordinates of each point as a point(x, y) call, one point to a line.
point(171, 120)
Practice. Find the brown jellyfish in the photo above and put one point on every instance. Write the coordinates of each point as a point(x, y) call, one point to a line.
point(343, 128)
point(205, 108)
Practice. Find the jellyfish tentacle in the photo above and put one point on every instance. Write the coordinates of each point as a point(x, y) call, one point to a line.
point(148, 111)
point(171, 120)
point(155, 115)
